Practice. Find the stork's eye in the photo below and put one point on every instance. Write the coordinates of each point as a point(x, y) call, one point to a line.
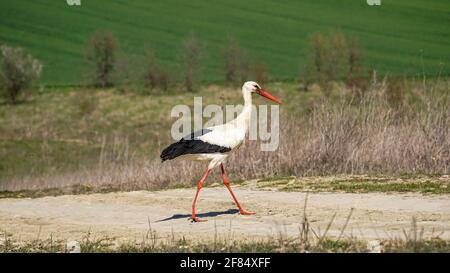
point(256, 86)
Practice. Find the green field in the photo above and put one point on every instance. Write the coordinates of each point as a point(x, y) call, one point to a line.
point(404, 37)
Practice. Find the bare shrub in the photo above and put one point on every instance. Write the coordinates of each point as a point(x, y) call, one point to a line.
point(18, 71)
point(236, 62)
point(316, 55)
point(336, 57)
point(155, 76)
point(190, 59)
point(152, 71)
point(358, 79)
point(331, 57)
point(355, 58)
point(164, 79)
point(101, 52)
point(239, 67)
point(259, 72)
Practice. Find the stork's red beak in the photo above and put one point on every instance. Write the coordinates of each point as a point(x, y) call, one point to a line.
point(266, 94)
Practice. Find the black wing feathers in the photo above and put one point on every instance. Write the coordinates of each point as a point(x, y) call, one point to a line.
point(190, 145)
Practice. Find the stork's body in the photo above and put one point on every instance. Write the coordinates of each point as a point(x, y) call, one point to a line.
point(214, 144)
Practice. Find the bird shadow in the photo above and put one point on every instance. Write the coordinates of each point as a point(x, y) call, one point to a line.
point(200, 215)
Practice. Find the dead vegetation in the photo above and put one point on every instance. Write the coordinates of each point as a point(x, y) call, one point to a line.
point(370, 135)
point(18, 70)
point(190, 59)
point(101, 51)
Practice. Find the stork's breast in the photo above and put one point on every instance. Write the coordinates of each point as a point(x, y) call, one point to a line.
point(224, 137)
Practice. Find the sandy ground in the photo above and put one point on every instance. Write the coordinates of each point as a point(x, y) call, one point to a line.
point(130, 215)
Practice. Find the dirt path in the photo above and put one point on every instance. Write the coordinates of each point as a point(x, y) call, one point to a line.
point(127, 214)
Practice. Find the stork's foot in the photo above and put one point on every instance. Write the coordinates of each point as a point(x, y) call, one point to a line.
point(196, 219)
point(243, 212)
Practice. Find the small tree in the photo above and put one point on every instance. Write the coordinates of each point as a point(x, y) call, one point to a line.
point(151, 74)
point(18, 70)
point(331, 57)
point(164, 79)
point(337, 57)
point(259, 72)
point(355, 58)
point(101, 52)
point(313, 70)
point(190, 58)
point(155, 76)
point(236, 62)
point(357, 77)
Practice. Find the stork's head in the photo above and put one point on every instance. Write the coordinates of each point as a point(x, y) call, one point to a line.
point(254, 87)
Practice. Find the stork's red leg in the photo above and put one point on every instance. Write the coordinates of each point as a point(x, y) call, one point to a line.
point(199, 186)
point(227, 184)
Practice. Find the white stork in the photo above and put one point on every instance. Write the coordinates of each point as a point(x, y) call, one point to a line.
point(214, 144)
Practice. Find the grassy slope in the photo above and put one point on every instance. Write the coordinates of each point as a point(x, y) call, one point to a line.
point(63, 129)
point(401, 37)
